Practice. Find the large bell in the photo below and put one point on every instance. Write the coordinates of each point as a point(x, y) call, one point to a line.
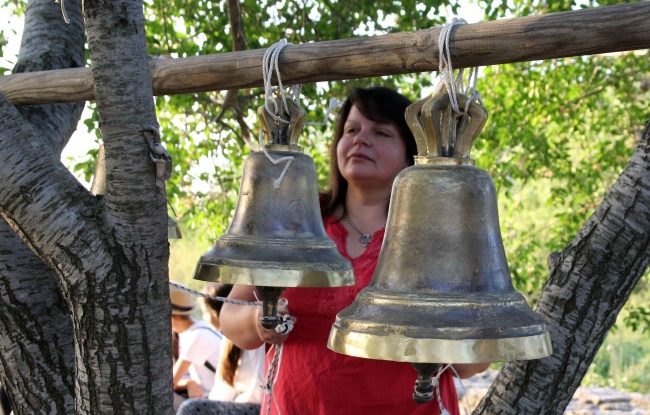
point(276, 238)
point(441, 292)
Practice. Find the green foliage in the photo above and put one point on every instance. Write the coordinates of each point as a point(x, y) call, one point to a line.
point(559, 134)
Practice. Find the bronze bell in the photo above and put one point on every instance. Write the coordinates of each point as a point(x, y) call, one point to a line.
point(441, 291)
point(276, 238)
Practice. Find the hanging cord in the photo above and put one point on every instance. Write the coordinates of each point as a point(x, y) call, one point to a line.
point(277, 182)
point(436, 387)
point(269, 63)
point(272, 375)
point(222, 299)
point(334, 104)
point(469, 407)
point(65, 15)
point(454, 85)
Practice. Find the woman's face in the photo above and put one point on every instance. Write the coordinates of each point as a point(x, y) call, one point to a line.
point(369, 152)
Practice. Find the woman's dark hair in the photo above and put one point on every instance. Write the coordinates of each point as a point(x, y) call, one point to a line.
point(379, 104)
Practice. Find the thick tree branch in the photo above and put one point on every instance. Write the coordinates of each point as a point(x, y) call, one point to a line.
point(231, 101)
point(37, 337)
point(590, 282)
point(117, 306)
point(37, 346)
point(127, 351)
point(50, 43)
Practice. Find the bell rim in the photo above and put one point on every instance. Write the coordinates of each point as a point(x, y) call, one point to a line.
point(420, 350)
point(270, 276)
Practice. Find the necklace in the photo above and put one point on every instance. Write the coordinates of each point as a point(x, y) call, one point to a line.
point(365, 237)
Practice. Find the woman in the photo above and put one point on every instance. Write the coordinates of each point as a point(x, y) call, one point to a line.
point(372, 144)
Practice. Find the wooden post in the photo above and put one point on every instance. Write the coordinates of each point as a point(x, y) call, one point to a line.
point(556, 35)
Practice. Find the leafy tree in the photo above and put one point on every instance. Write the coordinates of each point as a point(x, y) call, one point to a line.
point(96, 339)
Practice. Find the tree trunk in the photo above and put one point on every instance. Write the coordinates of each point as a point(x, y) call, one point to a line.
point(108, 255)
point(590, 282)
point(37, 348)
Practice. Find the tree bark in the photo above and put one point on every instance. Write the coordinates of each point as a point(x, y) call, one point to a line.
point(137, 378)
point(590, 282)
point(108, 255)
point(37, 348)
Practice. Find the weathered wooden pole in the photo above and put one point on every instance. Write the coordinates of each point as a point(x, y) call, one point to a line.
point(556, 35)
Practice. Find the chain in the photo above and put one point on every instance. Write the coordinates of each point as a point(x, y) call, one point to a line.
point(222, 299)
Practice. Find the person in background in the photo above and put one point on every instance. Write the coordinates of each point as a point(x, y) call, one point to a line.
point(198, 349)
point(372, 143)
point(236, 389)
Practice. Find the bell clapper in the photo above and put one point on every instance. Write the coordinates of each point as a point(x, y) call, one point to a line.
point(424, 384)
point(270, 297)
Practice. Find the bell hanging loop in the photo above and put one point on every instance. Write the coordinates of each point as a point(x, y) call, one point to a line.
point(284, 134)
point(442, 136)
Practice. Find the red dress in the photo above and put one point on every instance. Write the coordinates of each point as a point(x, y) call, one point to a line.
point(313, 380)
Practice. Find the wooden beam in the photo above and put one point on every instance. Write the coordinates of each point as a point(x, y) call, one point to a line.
point(556, 35)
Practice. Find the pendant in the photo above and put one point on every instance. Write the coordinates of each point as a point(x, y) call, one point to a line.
point(365, 239)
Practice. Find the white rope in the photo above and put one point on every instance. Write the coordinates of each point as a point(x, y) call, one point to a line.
point(65, 15)
point(454, 85)
point(334, 104)
point(469, 407)
point(288, 159)
point(270, 62)
point(436, 386)
point(272, 376)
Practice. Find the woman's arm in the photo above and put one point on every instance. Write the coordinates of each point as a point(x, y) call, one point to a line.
point(238, 321)
point(241, 323)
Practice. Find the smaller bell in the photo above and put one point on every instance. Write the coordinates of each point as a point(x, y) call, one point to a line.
point(276, 238)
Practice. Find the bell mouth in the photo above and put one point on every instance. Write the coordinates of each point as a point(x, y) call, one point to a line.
point(275, 262)
point(440, 327)
point(269, 277)
point(399, 348)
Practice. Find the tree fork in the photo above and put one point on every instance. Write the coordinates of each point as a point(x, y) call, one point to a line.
point(606, 29)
